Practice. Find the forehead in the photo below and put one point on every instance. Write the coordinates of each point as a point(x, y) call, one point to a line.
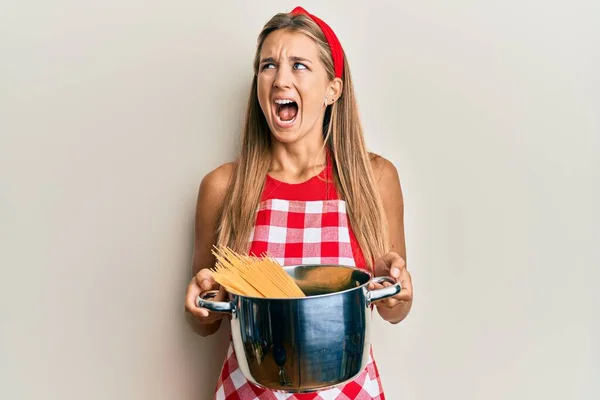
point(286, 43)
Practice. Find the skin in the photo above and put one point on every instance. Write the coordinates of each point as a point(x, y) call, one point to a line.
point(290, 68)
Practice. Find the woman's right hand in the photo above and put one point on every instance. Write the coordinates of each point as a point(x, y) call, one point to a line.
point(202, 283)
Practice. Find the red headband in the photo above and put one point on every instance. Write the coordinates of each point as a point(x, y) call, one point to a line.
point(336, 48)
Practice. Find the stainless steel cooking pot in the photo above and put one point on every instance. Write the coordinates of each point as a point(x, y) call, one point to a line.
point(306, 344)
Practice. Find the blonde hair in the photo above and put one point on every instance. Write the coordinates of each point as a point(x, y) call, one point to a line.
point(343, 135)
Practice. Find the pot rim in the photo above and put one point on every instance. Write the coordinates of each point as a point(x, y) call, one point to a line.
point(287, 267)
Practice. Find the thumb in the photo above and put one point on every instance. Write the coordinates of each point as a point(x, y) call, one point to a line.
point(382, 265)
point(389, 265)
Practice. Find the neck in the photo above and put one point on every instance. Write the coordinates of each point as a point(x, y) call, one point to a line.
point(296, 161)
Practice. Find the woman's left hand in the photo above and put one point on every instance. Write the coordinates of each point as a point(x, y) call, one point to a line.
point(394, 309)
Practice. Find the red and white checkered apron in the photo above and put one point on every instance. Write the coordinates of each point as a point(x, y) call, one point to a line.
point(302, 223)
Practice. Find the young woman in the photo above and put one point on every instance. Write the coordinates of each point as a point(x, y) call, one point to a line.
point(303, 165)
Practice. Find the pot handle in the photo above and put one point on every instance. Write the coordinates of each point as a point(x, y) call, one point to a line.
point(202, 301)
point(380, 294)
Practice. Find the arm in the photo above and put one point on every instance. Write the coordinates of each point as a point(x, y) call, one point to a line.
point(211, 195)
point(397, 308)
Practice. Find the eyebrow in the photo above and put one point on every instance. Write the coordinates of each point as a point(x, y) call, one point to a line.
point(293, 58)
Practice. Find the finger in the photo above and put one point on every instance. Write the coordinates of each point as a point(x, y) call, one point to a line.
point(388, 303)
point(406, 294)
point(397, 268)
point(206, 280)
point(190, 301)
point(386, 265)
point(191, 305)
point(390, 259)
point(201, 314)
point(382, 265)
point(403, 296)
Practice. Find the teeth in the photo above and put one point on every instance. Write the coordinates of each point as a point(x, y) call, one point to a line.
point(285, 101)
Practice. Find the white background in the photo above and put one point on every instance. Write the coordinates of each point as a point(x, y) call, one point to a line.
point(111, 113)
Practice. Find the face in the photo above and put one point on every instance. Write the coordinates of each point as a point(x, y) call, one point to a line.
point(292, 86)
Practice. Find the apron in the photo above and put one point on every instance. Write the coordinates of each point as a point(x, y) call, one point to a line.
point(303, 223)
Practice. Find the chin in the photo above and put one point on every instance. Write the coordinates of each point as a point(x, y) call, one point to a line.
point(285, 137)
point(287, 132)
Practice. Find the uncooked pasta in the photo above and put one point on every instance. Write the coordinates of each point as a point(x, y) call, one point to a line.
point(253, 276)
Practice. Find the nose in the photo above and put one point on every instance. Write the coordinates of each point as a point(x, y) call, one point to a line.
point(283, 78)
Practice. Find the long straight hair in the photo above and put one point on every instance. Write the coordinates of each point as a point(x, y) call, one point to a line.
point(343, 135)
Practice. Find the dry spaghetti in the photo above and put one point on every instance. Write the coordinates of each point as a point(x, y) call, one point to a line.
point(253, 276)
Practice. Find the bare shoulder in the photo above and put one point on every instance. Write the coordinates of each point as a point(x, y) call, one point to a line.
point(385, 172)
point(213, 186)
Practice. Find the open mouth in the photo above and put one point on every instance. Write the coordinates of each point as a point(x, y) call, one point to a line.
point(286, 111)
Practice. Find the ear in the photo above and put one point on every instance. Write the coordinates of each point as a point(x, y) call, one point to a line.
point(334, 91)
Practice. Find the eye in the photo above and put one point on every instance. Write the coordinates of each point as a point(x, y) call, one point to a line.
point(300, 66)
point(267, 66)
